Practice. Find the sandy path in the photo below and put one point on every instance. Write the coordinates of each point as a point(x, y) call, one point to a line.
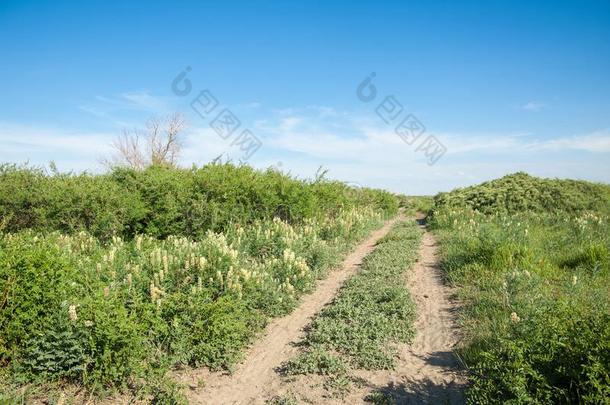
point(427, 371)
point(255, 378)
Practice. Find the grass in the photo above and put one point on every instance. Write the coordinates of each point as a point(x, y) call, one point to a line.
point(107, 282)
point(534, 288)
point(103, 314)
point(371, 313)
point(378, 397)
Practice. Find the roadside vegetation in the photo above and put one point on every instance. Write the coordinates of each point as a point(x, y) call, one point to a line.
point(370, 315)
point(412, 205)
point(109, 281)
point(530, 259)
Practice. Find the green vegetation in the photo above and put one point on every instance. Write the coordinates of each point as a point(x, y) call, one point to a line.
point(414, 204)
point(372, 312)
point(281, 401)
point(379, 397)
point(108, 281)
point(521, 193)
point(163, 201)
point(531, 262)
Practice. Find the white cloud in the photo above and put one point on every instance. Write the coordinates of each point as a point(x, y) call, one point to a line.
point(128, 109)
point(360, 150)
point(595, 142)
point(534, 106)
point(72, 150)
point(312, 137)
point(143, 100)
point(202, 145)
point(354, 148)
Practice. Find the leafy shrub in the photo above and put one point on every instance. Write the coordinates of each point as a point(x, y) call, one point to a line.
point(35, 283)
point(29, 199)
point(116, 344)
point(161, 201)
point(158, 268)
point(533, 286)
point(209, 332)
point(556, 356)
point(520, 192)
point(57, 352)
point(316, 361)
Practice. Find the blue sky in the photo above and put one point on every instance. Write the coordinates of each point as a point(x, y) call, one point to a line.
point(503, 85)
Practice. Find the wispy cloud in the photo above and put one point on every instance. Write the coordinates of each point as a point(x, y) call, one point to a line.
point(595, 142)
point(355, 148)
point(353, 137)
point(535, 106)
point(71, 149)
point(143, 100)
point(129, 108)
point(361, 150)
point(81, 150)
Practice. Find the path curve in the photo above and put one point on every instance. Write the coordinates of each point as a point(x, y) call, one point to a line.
point(255, 377)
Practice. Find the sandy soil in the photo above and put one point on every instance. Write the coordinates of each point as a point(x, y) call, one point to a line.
point(427, 371)
point(256, 379)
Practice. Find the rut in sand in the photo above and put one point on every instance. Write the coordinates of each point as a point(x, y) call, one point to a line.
point(428, 371)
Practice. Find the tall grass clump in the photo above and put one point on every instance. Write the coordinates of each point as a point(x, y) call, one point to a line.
point(133, 273)
point(534, 283)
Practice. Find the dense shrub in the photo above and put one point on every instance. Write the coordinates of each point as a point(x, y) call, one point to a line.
point(30, 199)
point(162, 201)
point(520, 192)
point(534, 287)
point(35, 282)
point(110, 280)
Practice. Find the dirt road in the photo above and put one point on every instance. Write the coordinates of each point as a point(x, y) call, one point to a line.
point(255, 379)
point(427, 371)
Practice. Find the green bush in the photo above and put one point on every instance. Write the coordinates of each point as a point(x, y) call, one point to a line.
point(532, 274)
point(35, 283)
point(111, 280)
point(163, 201)
point(29, 199)
point(557, 356)
point(209, 332)
point(520, 192)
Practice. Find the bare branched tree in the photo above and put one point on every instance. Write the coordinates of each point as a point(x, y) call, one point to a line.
point(158, 145)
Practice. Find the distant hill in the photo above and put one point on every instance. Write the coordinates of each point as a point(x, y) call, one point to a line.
point(521, 192)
